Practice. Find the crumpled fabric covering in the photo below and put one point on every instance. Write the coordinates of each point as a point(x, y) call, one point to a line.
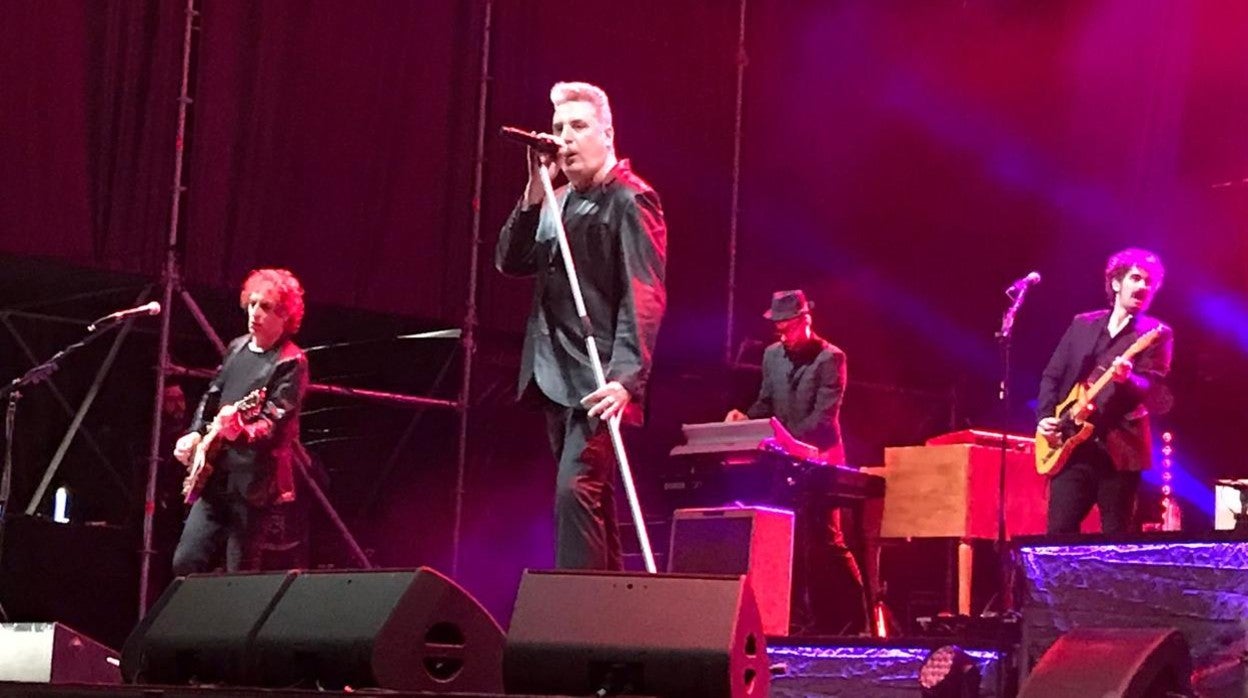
point(1199, 588)
point(880, 672)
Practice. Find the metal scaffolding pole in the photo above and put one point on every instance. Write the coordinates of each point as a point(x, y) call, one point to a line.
point(169, 280)
point(734, 211)
point(467, 340)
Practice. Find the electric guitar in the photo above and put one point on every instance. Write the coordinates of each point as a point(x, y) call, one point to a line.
point(209, 446)
point(1072, 413)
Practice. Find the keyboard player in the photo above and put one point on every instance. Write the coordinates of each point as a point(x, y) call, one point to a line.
point(803, 384)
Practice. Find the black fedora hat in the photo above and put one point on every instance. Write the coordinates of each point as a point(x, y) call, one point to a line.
point(786, 305)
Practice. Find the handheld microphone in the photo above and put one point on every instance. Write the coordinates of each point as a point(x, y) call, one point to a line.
point(152, 308)
point(1030, 280)
point(541, 142)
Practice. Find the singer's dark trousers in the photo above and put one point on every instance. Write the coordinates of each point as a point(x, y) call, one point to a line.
point(586, 533)
point(1089, 478)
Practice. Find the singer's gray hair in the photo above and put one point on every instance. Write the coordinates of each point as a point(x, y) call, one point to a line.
point(583, 92)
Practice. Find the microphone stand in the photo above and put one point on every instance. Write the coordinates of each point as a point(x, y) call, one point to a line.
point(12, 394)
point(1003, 396)
point(600, 379)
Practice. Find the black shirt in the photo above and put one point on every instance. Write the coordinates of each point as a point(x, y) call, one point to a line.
point(245, 372)
point(259, 463)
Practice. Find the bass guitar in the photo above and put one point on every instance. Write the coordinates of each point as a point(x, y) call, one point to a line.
point(1072, 413)
point(209, 446)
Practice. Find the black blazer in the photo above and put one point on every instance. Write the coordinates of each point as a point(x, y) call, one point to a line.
point(1122, 409)
point(619, 245)
point(804, 391)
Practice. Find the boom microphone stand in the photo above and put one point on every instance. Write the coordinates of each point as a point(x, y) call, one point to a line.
point(13, 393)
point(591, 347)
point(1017, 292)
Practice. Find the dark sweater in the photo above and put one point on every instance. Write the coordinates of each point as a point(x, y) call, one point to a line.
point(259, 464)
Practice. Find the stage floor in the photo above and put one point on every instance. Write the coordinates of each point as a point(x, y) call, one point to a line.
point(94, 691)
point(801, 668)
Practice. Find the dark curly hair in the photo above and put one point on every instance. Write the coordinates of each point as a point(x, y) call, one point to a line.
point(1121, 262)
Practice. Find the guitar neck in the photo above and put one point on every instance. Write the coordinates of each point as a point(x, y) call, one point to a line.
point(1099, 385)
point(1138, 346)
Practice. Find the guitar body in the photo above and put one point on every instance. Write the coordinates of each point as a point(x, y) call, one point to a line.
point(210, 446)
point(1072, 414)
point(1073, 429)
point(201, 466)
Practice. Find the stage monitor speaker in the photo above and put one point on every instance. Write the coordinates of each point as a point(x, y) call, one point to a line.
point(201, 628)
point(754, 541)
point(53, 653)
point(1113, 662)
point(395, 629)
point(607, 633)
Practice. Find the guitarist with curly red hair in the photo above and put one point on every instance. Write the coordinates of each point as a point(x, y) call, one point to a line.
point(1104, 380)
point(240, 452)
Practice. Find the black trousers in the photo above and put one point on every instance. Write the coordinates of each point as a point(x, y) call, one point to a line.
point(829, 597)
point(218, 513)
point(586, 533)
point(1089, 478)
point(255, 538)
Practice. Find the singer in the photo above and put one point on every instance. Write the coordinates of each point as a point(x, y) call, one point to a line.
point(250, 494)
point(1105, 470)
point(618, 239)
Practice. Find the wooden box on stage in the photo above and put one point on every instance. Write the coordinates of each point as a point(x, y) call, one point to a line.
point(951, 491)
point(754, 541)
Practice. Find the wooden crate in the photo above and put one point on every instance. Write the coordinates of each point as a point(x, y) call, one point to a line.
point(951, 491)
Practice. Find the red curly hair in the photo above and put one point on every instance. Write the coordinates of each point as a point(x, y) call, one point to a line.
point(289, 294)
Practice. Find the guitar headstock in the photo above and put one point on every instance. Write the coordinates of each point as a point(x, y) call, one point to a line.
point(251, 403)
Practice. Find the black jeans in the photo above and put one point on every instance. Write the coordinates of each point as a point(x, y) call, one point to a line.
point(586, 533)
point(1089, 478)
point(271, 537)
point(219, 512)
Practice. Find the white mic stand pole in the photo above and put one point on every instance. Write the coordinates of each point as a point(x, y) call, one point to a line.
point(600, 379)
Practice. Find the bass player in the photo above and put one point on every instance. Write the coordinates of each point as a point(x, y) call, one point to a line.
point(251, 482)
point(1105, 470)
